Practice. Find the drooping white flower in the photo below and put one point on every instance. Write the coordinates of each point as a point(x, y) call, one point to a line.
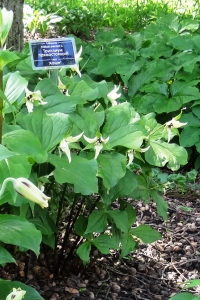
point(130, 155)
point(78, 58)
point(98, 143)
point(112, 96)
point(16, 294)
point(29, 191)
point(33, 98)
point(64, 144)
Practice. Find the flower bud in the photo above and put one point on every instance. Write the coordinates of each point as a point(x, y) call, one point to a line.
point(29, 191)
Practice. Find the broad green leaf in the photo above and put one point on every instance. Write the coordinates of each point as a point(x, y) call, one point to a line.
point(124, 187)
point(131, 212)
point(6, 19)
point(81, 225)
point(189, 136)
point(87, 121)
point(57, 102)
point(191, 283)
point(6, 287)
point(183, 296)
point(26, 143)
point(6, 57)
point(104, 243)
point(162, 205)
point(83, 252)
point(161, 153)
point(108, 64)
point(5, 153)
point(120, 219)
point(146, 233)
point(80, 172)
point(97, 222)
point(122, 127)
point(49, 129)
point(14, 85)
point(143, 189)
point(5, 257)
point(111, 168)
point(190, 119)
point(18, 231)
point(128, 244)
point(83, 91)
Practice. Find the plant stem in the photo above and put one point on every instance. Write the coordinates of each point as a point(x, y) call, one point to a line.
point(1, 106)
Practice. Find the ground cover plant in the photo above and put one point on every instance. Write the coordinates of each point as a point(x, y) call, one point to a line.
point(80, 17)
point(88, 139)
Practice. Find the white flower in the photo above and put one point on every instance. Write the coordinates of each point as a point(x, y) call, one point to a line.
point(112, 96)
point(64, 144)
point(175, 124)
point(33, 98)
point(130, 155)
point(77, 59)
point(29, 191)
point(98, 143)
point(16, 294)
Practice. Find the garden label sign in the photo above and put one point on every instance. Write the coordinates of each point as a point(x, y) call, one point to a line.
point(53, 53)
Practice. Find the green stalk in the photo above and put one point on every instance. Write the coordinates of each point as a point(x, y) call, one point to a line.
point(1, 106)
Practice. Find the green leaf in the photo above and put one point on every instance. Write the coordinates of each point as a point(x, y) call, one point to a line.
point(128, 244)
point(146, 233)
point(6, 287)
point(131, 213)
point(83, 91)
point(14, 85)
point(57, 102)
point(162, 205)
point(6, 57)
point(120, 219)
point(6, 257)
point(122, 127)
point(97, 222)
point(81, 225)
point(189, 136)
point(81, 172)
point(49, 129)
point(25, 142)
point(83, 252)
point(162, 153)
point(191, 283)
point(6, 19)
point(18, 231)
point(183, 296)
point(5, 153)
point(104, 243)
point(111, 168)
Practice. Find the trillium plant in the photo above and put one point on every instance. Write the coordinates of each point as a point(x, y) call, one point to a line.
point(79, 141)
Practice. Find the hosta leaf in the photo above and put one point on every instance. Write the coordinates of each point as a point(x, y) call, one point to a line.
point(161, 153)
point(25, 142)
point(81, 172)
point(111, 168)
point(49, 129)
point(18, 231)
point(97, 222)
point(6, 57)
point(146, 233)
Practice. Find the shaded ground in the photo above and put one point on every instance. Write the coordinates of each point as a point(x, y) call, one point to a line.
point(153, 272)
